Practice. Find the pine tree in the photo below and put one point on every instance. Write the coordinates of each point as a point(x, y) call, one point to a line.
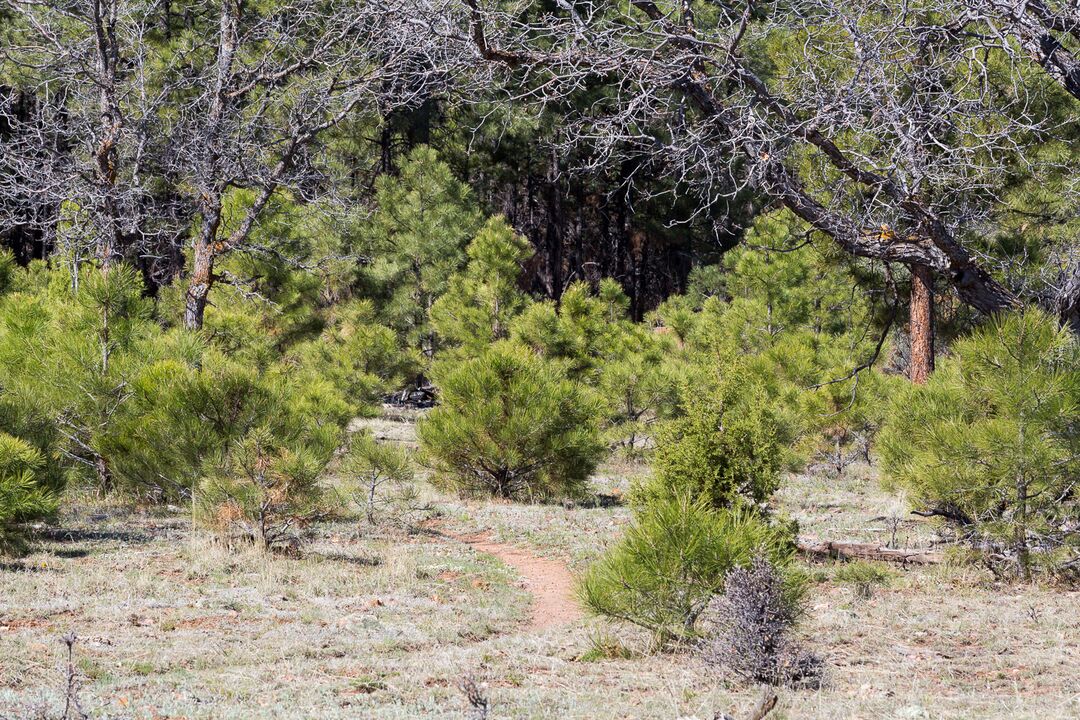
point(69, 352)
point(485, 297)
point(416, 242)
point(268, 490)
point(992, 442)
point(672, 560)
point(512, 425)
point(381, 479)
point(23, 495)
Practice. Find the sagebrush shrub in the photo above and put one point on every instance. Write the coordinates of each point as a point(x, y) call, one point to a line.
point(672, 560)
point(510, 424)
point(992, 442)
point(748, 628)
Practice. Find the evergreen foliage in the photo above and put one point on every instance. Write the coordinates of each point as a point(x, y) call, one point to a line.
point(482, 300)
point(672, 560)
point(416, 243)
point(639, 384)
point(90, 378)
point(68, 353)
point(729, 445)
point(580, 331)
point(268, 490)
point(992, 441)
point(382, 480)
point(362, 359)
point(510, 424)
point(23, 495)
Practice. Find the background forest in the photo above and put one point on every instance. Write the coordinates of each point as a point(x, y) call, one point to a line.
point(727, 245)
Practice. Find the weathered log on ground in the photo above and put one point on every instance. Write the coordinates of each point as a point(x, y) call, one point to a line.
point(866, 551)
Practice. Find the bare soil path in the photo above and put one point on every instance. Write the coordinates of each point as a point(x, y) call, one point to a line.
point(549, 581)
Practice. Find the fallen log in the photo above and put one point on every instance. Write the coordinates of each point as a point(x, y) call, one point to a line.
point(866, 551)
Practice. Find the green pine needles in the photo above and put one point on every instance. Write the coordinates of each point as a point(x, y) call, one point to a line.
point(23, 495)
point(671, 562)
point(511, 424)
point(992, 442)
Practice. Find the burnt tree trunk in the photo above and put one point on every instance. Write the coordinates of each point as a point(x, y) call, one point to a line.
point(921, 324)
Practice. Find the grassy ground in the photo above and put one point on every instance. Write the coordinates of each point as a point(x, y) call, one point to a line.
point(174, 626)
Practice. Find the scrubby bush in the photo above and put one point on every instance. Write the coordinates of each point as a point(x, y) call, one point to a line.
point(672, 560)
point(729, 446)
point(510, 424)
point(380, 480)
point(992, 442)
point(748, 628)
point(267, 491)
point(23, 495)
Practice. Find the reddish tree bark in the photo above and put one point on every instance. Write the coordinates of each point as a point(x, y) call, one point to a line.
point(921, 324)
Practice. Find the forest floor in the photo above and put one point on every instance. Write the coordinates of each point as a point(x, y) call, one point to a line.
point(387, 624)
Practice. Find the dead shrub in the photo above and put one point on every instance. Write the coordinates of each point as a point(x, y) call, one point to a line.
point(749, 628)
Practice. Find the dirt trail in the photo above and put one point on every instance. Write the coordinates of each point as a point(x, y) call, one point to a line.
point(549, 581)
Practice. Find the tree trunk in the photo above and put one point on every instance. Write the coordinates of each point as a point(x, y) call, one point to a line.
point(104, 475)
point(202, 275)
point(921, 324)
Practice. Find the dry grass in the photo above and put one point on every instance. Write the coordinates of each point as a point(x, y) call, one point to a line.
point(386, 626)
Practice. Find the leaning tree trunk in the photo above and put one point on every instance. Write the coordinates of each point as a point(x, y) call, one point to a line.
point(921, 324)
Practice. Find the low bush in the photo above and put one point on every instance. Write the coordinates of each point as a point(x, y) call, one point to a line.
point(730, 445)
point(268, 491)
point(512, 425)
point(749, 628)
point(862, 576)
point(380, 480)
point(672, 560)
point(23, 495)
point(992, 442)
